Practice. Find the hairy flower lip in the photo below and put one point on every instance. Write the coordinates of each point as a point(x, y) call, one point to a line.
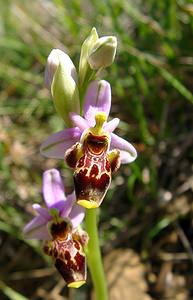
point(68, 254)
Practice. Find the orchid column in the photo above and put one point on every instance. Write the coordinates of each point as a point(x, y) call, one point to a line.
point(87, 144)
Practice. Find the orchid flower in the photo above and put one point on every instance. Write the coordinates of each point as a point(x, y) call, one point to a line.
point(57, 226)
point(91, 147)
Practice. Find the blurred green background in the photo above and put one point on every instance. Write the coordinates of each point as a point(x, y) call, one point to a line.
point(149, 206)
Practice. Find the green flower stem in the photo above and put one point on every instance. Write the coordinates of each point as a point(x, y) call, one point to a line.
point(94, 255)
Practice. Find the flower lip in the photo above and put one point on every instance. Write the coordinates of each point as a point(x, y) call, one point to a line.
point(69, 257)
point(91, 184)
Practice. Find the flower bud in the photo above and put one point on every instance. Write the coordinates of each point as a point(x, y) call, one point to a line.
point(55, 57)
point(61, 78)
point(85, 50)
point(103, 53)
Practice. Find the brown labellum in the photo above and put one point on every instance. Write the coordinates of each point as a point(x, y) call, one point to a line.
point(66, 250)
point(93, 166)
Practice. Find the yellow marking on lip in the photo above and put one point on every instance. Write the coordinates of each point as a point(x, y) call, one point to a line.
point(88, 204)
point(76, 284)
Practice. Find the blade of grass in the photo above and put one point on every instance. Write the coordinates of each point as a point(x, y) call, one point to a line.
point(176, 84)
point(158, 64)
point(11, 293)
point(15, 233)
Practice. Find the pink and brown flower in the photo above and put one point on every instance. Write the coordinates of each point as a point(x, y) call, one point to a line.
point(90, 147)
point(57, 226)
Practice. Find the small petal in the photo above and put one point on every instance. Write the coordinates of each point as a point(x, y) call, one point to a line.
point(53, 188)
point(97, 99)
point(36, 229)
point(110, 126)
point(68, 204)
point(56, 144)
point(43, 212)
point(77, 215)
point(79, 122)
point(127, 151)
